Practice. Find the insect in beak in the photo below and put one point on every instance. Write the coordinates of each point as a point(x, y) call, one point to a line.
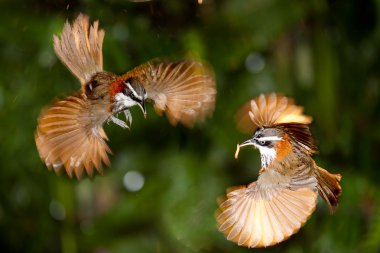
point(243, 144)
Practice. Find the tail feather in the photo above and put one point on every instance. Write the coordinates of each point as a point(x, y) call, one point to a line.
point(329, 188)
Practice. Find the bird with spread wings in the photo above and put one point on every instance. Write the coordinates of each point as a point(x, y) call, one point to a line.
point(70, 132)
point(284, 196)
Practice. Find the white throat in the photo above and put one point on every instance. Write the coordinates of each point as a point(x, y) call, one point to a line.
point(267, 155)
point(123, 101)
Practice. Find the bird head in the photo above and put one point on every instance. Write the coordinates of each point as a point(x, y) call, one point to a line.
point(277, 141)
point(125, 93)
point(268, 141)
point(264, 139)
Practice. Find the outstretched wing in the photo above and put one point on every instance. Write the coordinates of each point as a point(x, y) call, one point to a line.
point(271, 209)
point(80, 48)
point(185, 90)
point(69, 135)
point(267, 110)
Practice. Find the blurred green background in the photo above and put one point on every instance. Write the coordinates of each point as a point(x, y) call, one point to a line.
point(160, 193)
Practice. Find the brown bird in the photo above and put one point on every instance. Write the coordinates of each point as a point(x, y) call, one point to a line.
point(69, 133)
point(284, 196)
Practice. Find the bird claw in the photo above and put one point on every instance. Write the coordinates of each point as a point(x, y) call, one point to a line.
point(128, 117)
point(121, 123)
point(118, 122)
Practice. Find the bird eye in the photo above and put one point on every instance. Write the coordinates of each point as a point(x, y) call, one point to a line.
point(127, 92)
point(263, 143)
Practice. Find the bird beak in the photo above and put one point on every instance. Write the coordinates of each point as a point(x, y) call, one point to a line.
point(143, 108)
point(247, 143)
point(243, 144)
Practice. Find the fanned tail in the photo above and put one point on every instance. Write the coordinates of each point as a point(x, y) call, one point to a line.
point(329, 188)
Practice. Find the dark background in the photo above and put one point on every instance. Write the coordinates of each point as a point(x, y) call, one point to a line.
point(325, 54)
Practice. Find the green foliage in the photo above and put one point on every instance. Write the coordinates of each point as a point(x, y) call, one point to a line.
point(323, 53)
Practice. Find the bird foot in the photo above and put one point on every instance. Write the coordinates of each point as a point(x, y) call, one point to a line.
point(128, 117)
point(121, 123)
point(118, 122)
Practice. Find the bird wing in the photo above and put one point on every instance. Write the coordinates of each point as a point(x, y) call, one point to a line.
point(271, 209)
point(68, 135)
point(267, 110)
point(80, 48)
point(185, 90)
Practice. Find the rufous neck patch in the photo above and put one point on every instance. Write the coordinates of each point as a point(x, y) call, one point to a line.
point(116, 87)
point(283, 148)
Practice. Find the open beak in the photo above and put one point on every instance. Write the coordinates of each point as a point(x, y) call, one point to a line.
point(142, 107)
point(243, 144)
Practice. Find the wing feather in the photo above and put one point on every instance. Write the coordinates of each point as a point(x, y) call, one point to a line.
point(269, 210)
point(80, 48)
point(68, 135)
point(267, 110)
point(184, 90)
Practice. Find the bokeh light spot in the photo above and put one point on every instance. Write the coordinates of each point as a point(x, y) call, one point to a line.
point(46, 58)
point(133, 181)
point(254, 63)
point(57, 210)
point(120, 32)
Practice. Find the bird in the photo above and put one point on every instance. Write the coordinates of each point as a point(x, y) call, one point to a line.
point(69, 133)
point(273, 208)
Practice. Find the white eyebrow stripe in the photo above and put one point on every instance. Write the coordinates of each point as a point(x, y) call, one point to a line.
point(130, 88)
point(133, 90)
point(269, 138)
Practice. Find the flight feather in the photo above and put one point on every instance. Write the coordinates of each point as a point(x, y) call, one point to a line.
point(80, 48)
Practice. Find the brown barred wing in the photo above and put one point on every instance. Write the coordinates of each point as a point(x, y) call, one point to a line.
point(80, 48)
point(269, 210)
point(184, 90)
point(68, 136)
point(267, 110)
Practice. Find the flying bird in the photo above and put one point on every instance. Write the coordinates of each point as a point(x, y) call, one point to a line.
point(284, 196)
point(70, 131)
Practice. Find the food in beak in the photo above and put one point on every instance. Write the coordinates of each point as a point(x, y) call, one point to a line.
point(237, 151)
